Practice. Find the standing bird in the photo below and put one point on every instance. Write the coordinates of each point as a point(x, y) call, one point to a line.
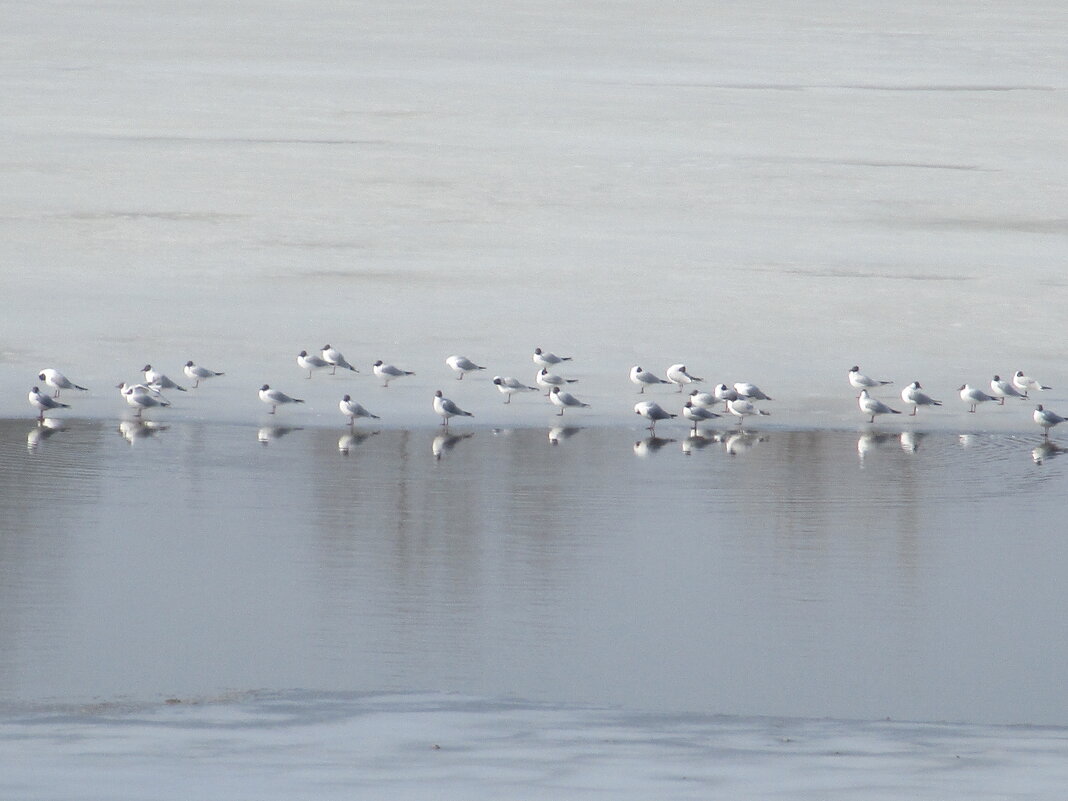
point(750, 391)
point(743, 407)
point(275, 398)
point(565, 399)
point(544, 358)
point(872, 406)
point(652, 411)
point(914, 395)
point(310, 363)
point(705, 400)
point(352, 410)
point(677, 374)
point(725, 394)
point(198, 373)
point(157, 380)
point(446, 408)
point(57, 381)
point(644, 378)
point(858, 380)
point(1025, 383)
point(43, 403)
point(462, 365)
point(1004, 389)
point(333, 357)
point(387, 372)
point(547, 380)
point(508, 386)
point(141, 397)
point(1047, 419)
point(974, 396)
point(697, 414)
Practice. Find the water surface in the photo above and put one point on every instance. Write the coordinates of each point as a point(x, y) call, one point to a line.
point(809, 573)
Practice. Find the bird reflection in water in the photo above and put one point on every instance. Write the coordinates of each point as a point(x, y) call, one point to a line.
point(444, 443)
point(697, 442)
point(1047, 450)
point(346, 442)
point(42, 431)
point(870, 440)
point(743, 441)
point(137, 430)
point(268, 434)
point(559, 433)
point(650, 445)
point(910, 441)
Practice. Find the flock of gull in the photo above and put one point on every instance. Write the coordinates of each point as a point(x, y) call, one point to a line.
point(740, 400)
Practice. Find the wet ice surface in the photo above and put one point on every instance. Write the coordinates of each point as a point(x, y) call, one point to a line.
point(285, 745)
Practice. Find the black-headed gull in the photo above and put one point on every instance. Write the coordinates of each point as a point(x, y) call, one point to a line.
point(750, 391)
point(1002, 389)
point(652, 411)
point(872, 406)
point(44, 403)
point(156, 379)
point(917, 397)
point(333, 357)
point(1025, 383)
point(508, 386)
point(351, 409)
point(198, 373)
point(139, 397)
point(726, 394)
point(974, 396)
point(697, 414)
point(544, 358)
point(387, 372)
point(310, 362)
point(1047, 419)
point(547, 380)
point(858, 380)
point(677, 375)
point(57, 381)
point(743, 407)
point(644, 378)
point(446, 409)
point(462, 365)
point(275, 398)
point(705, 400)
point(565, 399)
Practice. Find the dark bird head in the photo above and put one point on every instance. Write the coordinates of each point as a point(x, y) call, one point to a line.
point(347, 398)
point(438, 394)
point(265, 387)
point(189, 363)
point(146, 368)
point(854, 369)
point(378, 363)
point(303, 353)
point(1037, 408)
point(40, 377)
point(497, 380)
point(997, 378)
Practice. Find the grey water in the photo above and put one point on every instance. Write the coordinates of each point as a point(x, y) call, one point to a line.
point(809, 573)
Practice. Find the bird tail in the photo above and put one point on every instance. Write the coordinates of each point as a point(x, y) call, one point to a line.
point(297, 400)
point(83, 389)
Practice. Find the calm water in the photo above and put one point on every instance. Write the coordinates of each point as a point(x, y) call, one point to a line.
point(781, 573)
